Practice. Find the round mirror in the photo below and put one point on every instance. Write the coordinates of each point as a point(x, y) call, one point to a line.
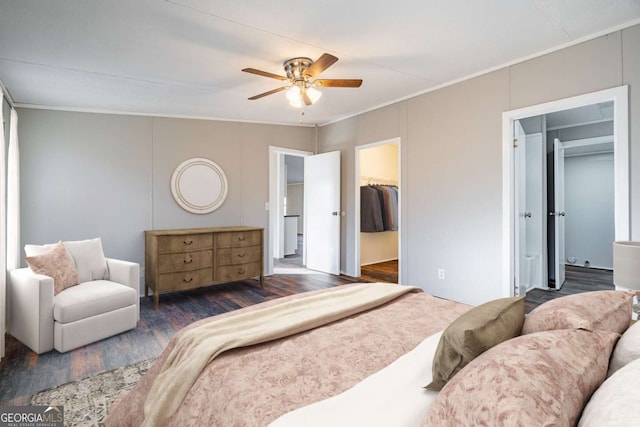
point(199, 185)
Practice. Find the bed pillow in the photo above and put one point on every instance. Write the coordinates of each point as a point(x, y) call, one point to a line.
point(627, 350)
point(615, 402)
point(57, 264)
point(473, 333)
point(89, 259)
point(540, 379)
point(604, 310)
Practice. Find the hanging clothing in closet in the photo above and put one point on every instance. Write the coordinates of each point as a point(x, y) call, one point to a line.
point(379, 208)
point(370, 212)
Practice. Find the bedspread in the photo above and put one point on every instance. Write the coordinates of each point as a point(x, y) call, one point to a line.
point(254, 385)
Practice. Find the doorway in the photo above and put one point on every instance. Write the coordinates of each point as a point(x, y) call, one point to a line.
point(377, 219)
point(517, 262)
point(320, 212)
point(566, 193)
point(279, 204)
point(292, 233)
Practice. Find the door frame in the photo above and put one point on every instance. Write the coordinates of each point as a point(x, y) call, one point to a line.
point(276, 171)
point(559, 219)
point(520, 202)
point(620, 98)
point(356, 211)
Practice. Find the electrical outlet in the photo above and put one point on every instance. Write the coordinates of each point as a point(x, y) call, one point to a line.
point(441, 273)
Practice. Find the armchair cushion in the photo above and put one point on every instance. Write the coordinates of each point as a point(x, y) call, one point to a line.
point(87, 256)
point(91, 299)
point(57, 264)
point(89, 259)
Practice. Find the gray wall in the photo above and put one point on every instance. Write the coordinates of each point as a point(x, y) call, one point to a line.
point(295, 203)
point(452, 159)
point(85, 175)
point(589, 204)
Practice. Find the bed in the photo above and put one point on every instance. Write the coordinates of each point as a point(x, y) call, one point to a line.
point(346, 368)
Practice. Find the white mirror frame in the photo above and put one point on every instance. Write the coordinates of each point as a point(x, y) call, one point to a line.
point(199, 185)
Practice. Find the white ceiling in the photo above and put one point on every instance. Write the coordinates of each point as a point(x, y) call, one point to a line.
point(183, 57)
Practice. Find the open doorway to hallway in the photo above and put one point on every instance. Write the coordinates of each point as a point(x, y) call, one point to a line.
point(293, 213)
point(320, 213)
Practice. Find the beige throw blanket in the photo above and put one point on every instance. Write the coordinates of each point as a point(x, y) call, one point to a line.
point(200, 345)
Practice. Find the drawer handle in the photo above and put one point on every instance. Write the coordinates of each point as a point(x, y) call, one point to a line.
point(188, 262)
point(188, 281)
point(242, 255)
point(241, 271)
point(189, 243)
point(241, 238)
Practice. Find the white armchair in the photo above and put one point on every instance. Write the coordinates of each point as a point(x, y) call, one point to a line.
point(79, 315)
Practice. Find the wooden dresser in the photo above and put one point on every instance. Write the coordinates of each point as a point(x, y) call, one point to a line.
point(181, 259)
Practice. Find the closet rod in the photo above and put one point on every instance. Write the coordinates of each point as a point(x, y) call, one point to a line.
point(381, 181)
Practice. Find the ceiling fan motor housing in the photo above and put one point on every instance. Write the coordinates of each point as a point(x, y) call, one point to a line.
point(295, 68)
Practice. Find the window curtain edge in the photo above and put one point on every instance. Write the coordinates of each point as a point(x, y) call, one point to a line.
point(13, 195)
point(3, 234)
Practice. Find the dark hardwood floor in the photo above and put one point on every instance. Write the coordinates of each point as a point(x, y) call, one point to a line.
point(22, 372)
point(381, 272)
point(577, 280)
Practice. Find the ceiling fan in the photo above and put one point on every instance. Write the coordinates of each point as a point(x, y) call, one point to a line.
point(301, 82)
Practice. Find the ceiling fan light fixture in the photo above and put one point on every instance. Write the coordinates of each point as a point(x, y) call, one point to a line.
point(295, 98)
point(293, 94)
point(314, 94)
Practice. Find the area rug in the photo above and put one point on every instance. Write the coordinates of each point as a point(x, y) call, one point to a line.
point(86, 402)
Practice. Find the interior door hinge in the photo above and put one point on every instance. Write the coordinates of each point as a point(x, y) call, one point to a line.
point(515, 142)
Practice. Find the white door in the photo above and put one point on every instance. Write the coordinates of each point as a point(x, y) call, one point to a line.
point(520, 188)
point(558, 214)
point(322, 212)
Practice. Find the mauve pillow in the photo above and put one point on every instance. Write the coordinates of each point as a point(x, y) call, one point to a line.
point(540, 379)
point(57, 264)
point(473, 333)
point(604, 310)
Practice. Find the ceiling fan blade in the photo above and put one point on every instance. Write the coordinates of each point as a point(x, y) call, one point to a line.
point(338, 82)
point(271, 92)
point(321, 64)
point(264, 74)
point(306, 99)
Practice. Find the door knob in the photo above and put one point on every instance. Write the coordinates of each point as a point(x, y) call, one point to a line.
point(335, 213)
point(527, 214)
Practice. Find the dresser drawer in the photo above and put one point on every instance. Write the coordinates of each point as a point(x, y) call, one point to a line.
point(184, 261)
point(230, 256)
point(186, 242)
point(238, 272)
point(184, 280)
point(237, 239)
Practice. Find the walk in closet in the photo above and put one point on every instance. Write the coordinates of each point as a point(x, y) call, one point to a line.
point(379, 215)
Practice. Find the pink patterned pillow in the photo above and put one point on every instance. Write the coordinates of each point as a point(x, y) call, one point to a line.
point(604, 310)
point(541, 379)
point(57, 264)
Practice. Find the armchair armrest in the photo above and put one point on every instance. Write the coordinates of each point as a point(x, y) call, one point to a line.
point(30, 307)
point(126, 273)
